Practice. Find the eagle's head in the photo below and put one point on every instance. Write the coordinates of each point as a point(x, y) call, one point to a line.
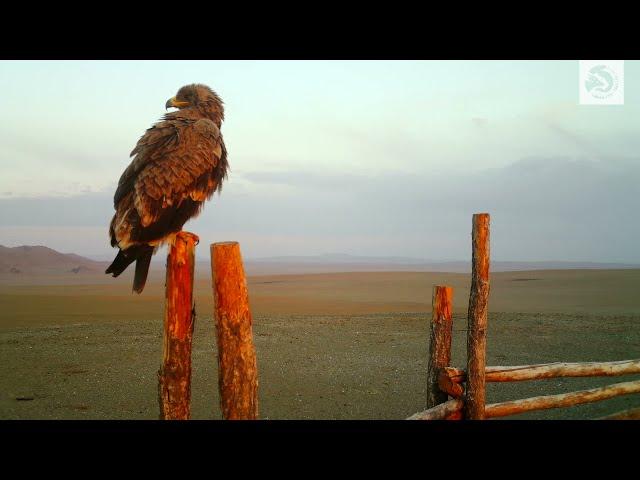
point(201, 98)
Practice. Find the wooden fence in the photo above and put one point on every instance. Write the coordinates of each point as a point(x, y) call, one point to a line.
point(452, 393)
point(455, 393)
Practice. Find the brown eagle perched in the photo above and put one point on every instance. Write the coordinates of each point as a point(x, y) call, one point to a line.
point(178, 164)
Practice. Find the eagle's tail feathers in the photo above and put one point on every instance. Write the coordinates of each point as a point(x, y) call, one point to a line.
point(141, 254)
point(142, 269)
point(122, 261)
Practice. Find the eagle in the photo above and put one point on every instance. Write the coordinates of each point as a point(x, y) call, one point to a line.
point(178, 164)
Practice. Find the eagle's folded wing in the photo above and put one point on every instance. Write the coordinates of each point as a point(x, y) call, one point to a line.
point(157, 141)
point(174, 167)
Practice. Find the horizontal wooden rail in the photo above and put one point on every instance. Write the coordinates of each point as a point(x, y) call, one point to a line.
point(550, 370)
point(449, 410)
point(563, 400)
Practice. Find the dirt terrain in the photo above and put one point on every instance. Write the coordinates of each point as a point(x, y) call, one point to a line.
point(330, 346)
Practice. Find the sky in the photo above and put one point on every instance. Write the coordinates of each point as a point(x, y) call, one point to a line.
point(376, 158)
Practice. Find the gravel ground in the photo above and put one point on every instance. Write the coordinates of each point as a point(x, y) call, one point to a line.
point(310, 366)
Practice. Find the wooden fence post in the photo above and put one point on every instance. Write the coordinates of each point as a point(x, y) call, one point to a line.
point(439, 342)
point(174, 377)
point(475, 395)
point(237, 368)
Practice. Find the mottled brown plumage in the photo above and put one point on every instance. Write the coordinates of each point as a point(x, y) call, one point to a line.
point(178, 164)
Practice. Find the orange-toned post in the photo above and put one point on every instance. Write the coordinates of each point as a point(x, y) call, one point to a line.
point(237, 366)
point(174, 385)
point(439, 342)
point(475, 393)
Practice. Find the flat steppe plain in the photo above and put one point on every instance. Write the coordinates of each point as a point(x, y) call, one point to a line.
point(329, 345)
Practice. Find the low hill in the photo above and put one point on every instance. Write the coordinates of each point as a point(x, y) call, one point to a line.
point(38, 259)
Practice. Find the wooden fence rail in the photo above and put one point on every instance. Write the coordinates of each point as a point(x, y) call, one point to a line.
point(520, 373)
point(449, 410)
point(563, 400)
point(452, 409)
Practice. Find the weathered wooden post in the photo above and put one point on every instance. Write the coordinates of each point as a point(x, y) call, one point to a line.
point(237, 368)
point(439, 342)
point(474, 405)
point(174, 377)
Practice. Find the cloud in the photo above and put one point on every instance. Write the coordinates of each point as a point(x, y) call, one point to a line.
point(542, 208)
point(574, 139)
point(84, 209)
point(304, 179)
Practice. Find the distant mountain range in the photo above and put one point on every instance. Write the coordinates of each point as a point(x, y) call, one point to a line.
point(43, 260)
point(344, 262)
point(341, 258)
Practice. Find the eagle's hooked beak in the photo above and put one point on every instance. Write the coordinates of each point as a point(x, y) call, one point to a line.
point(172, 102)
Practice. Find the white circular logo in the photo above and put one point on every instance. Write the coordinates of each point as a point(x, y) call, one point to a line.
point(601, 82)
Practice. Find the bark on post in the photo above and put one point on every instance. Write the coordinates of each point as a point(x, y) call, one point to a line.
point(174, 377)
point(439, 342)
point(237, 369)
point(477, 320)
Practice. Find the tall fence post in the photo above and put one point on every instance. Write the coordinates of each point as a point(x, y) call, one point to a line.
point(439, 342)
point(475, 394)
point(237, 368)
point(174, 377)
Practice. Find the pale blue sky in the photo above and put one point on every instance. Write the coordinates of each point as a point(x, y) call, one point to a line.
point(362, 157)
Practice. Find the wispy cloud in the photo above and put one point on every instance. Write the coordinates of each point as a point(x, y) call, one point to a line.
point(576, 139)
point(549, 208)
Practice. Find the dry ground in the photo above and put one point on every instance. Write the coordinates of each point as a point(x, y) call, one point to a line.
point(334, 346)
